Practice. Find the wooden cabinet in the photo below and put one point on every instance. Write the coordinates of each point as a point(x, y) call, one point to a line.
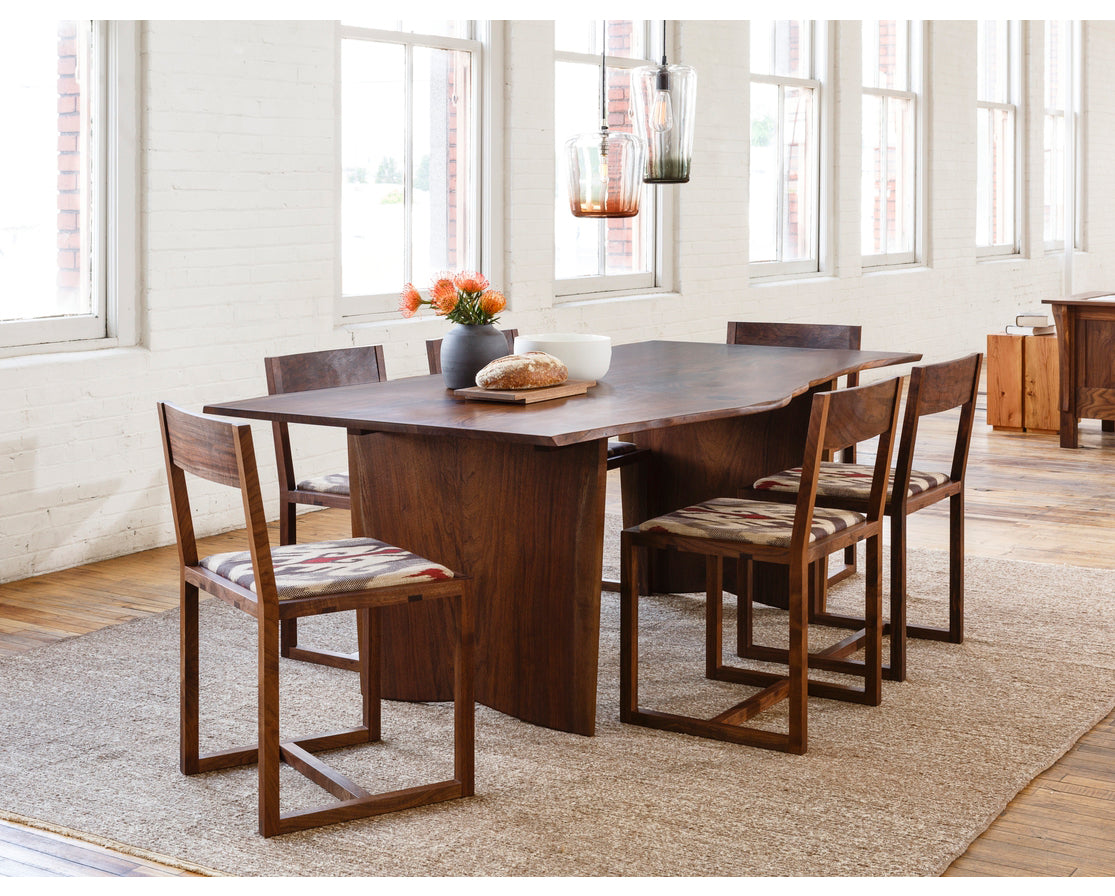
point(1022, 383)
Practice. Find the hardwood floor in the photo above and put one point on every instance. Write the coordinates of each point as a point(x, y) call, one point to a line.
point(1027, 499)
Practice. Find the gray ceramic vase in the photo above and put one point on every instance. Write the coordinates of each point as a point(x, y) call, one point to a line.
point(467, 348)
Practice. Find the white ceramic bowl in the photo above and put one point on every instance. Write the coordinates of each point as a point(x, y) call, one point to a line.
point(587, 357)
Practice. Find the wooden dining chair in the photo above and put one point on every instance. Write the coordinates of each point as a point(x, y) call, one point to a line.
point(621, 453)
point(301, 373)
point(934, 389)
point(745, 531)
point(290, 582)
point(793, 335)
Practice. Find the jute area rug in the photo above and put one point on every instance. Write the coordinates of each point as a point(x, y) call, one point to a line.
point(90, 746)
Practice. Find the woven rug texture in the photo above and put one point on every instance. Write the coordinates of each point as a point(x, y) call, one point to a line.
point(91, 724)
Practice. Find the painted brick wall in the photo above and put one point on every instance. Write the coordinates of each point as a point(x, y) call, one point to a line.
point(239, 222)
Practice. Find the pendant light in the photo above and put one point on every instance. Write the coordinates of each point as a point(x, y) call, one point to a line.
point(605, 167)
point(665, 99)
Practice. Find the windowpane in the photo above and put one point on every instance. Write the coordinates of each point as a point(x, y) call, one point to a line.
point(626, 38)
point(407, 160)
point(995, 181)
point(588, 247)
point(886, 54)
point(441, 27)
point(46, 216)
point(798, 177)
point(888, 175)
point(1057, 70)
point(764, 173)
point(781, 48)
point(993, 57)
point(373, 156)
point(1054, 228)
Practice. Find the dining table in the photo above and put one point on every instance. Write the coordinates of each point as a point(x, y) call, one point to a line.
point(513, 495)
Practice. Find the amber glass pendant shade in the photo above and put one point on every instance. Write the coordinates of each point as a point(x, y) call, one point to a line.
point(665, 100)
point(605, 174)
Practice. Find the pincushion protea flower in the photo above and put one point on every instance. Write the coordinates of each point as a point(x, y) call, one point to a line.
point(464, 298)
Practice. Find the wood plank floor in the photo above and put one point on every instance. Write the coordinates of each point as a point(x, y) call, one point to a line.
point(1027, 499)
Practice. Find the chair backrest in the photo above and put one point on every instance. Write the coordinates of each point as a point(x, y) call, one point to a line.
point(317, 370)
point(220, 452)
point(846, 417)
point(433, 349)
point(794, 335)
point(935, 388)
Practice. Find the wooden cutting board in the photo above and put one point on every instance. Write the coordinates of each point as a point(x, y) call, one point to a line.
point(525, 396)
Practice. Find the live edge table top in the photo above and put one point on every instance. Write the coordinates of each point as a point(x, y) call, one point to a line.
point(650, 385)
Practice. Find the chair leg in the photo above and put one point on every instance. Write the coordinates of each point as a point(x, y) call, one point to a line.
point(189, 736)
point(956, 568)
point(464, 706)
point(898, 628)
point(873, 624)
point(714, 614)
point(368, 651)
point(268, 734)
point(798, 606)
point(629, 630)
point(745, 609)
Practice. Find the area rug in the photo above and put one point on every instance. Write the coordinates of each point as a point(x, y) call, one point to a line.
point(90, 746)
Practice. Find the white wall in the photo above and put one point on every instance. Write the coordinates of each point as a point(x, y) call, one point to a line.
point(238, 221)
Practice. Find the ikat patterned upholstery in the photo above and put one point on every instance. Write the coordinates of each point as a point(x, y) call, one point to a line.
point(618, 449)
point(836, 480)
point(328, 567)
point(747, 521)
point(330, 484)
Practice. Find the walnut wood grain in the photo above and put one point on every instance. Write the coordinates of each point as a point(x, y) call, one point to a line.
point(1086, 344)
point(514, 495)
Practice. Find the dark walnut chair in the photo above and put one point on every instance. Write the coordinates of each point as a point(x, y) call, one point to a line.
point(620, 453)
point(843, 336)
point(744, 531)
point(292, 582)
point(301, 373)
point(934, 389)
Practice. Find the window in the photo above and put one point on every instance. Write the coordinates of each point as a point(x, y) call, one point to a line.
point(785, 148)
point(997, 87)
point(1061, 146)
point(67, 222)
point(410, 158)
point(888, 217)
point(599, 255)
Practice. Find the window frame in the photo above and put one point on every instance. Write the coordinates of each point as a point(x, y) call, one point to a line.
point(113, 222)
point(661, 211)
point(1014, 106)
point(819, 37)
point(914, 92)
point(484, 45)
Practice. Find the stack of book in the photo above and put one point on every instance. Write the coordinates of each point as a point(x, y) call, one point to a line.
point(1032, 323)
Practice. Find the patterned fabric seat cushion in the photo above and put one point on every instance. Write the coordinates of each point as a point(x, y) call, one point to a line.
point(617, 448)
point(330, 567)
point(330, 484)
point(836, 480)
point(751, 522)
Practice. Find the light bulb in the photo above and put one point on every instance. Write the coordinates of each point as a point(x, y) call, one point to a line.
point(662, 112)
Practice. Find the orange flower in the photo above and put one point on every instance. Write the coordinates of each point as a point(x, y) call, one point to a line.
point(471, 281)
point(443, 296)
point(492, 302)
point(410, 301)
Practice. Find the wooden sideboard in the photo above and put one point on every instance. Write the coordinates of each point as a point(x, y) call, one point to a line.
point(1022, 383)
point(1086, 346)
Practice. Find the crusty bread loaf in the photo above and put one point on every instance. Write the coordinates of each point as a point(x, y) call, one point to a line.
point(531, 370)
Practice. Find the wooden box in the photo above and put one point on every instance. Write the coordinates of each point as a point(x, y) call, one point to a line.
point(1022, 383)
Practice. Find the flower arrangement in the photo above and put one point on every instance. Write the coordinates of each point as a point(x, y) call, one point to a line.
point(464, 298)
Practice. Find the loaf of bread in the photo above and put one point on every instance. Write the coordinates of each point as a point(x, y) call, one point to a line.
point(530, 370)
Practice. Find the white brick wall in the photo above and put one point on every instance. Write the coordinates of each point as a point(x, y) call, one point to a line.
point(238, 233)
